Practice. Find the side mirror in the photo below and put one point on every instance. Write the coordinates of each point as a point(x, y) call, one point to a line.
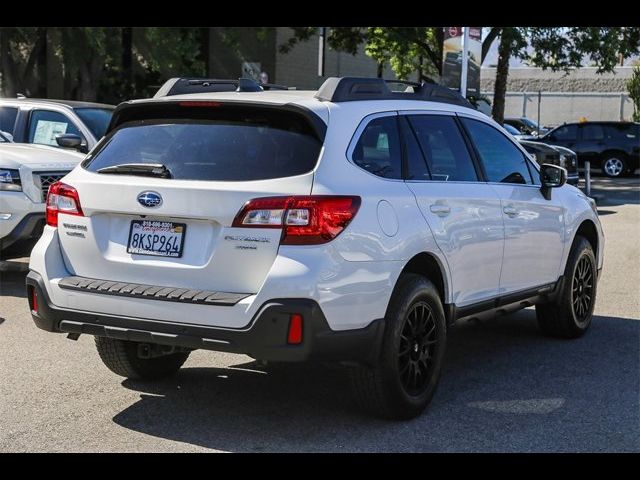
point(551, 176)
point(69, 140)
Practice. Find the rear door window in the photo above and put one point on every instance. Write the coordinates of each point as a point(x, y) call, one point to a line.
point(592, 132)
point(46, 125)
point(242, 146)
point(444, 148)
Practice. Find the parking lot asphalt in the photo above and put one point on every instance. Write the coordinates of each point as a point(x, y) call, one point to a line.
point(504, 387)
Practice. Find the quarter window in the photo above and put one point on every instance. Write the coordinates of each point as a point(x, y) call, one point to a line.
point(45, 125)
point(378, 148)
point(444, 148)
point(502, 160)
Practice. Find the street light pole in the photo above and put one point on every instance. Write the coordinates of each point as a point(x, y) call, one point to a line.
point(465, 62)
point(321, 43)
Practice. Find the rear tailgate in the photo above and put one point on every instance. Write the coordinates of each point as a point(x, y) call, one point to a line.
point(217, 163)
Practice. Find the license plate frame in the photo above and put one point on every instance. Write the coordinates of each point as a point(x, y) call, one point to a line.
point(155, 226)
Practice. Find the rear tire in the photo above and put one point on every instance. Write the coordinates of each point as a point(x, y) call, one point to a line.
point(569, 316)
point(121, 357)
point(404, 379)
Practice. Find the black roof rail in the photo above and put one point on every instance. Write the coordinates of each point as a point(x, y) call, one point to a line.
point(349, 89)
point(181, 86)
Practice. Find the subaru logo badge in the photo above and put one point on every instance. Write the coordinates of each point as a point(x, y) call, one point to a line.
point(150, 199)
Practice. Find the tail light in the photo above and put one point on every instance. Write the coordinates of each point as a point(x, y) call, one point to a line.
point(304, 220)
point(62, 198)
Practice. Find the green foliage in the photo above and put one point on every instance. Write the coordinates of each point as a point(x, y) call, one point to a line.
point(633, 86)
point(565, 48)
point(91, 59)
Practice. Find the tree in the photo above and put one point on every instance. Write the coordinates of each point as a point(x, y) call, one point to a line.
point(406, 49)
point(633, 85)
point(561, 48)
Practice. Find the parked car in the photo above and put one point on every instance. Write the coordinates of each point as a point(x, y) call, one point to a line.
point(554, 155)
point(453, 71)
point(515, 132)
point(57, 123)
point(353, 224)
point(26, 172)
point(526, 126)
point(612, 147)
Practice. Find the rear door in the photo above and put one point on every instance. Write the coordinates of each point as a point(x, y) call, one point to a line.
point(463, 212)
point(217, 162)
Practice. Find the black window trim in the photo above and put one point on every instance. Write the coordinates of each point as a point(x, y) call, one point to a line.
point(407, 129)
point(476, 165)
point(477, 154)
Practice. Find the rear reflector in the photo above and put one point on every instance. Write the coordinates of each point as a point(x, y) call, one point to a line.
point(295, 329)
point(304, 220)
point(34, 300)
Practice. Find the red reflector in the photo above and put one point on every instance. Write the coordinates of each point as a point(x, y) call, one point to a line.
point(199, 104)
point(34, 300)
point(295, 329)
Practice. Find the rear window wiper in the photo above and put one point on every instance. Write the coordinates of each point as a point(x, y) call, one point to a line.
point(140, 169)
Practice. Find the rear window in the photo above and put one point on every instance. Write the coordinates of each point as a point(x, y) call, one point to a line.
point(246, 147)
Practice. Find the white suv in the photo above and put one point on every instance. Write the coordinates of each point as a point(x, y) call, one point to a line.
point(26, 171)
point(352, 224)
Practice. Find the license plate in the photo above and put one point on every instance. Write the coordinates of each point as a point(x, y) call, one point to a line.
point(161, 239)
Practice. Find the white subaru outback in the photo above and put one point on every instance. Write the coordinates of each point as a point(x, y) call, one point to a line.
point(353, 224)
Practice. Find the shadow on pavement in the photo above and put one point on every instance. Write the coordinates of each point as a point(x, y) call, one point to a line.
point(505, 388)
point(12, 282)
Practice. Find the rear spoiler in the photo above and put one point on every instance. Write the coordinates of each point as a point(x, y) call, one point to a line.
point(198, 108)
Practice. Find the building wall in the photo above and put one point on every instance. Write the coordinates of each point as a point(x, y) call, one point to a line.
point(299, 67)
point(564, 98)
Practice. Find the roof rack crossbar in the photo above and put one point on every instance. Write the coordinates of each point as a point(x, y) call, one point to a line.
point(349, 89)
point(180, 86)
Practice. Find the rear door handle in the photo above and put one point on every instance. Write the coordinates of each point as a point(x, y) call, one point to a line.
point(510, 210)
point(440, 210)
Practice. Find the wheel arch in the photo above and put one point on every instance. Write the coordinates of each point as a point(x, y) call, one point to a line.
point(588, 230)
point(432, 268)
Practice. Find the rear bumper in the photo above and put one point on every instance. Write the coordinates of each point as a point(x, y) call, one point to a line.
point(265, 338)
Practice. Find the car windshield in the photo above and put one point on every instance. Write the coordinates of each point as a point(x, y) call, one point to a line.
point(512, 130)
point(529, 123)
point(96, 119)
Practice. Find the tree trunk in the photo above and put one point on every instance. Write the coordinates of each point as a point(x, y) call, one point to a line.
point(41, 63)
point(502, 73)
point(204, 49)
point(127, 62)
point(380, 69)
point(7, 66)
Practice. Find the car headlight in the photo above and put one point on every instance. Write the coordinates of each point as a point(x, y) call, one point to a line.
point(10, 180)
